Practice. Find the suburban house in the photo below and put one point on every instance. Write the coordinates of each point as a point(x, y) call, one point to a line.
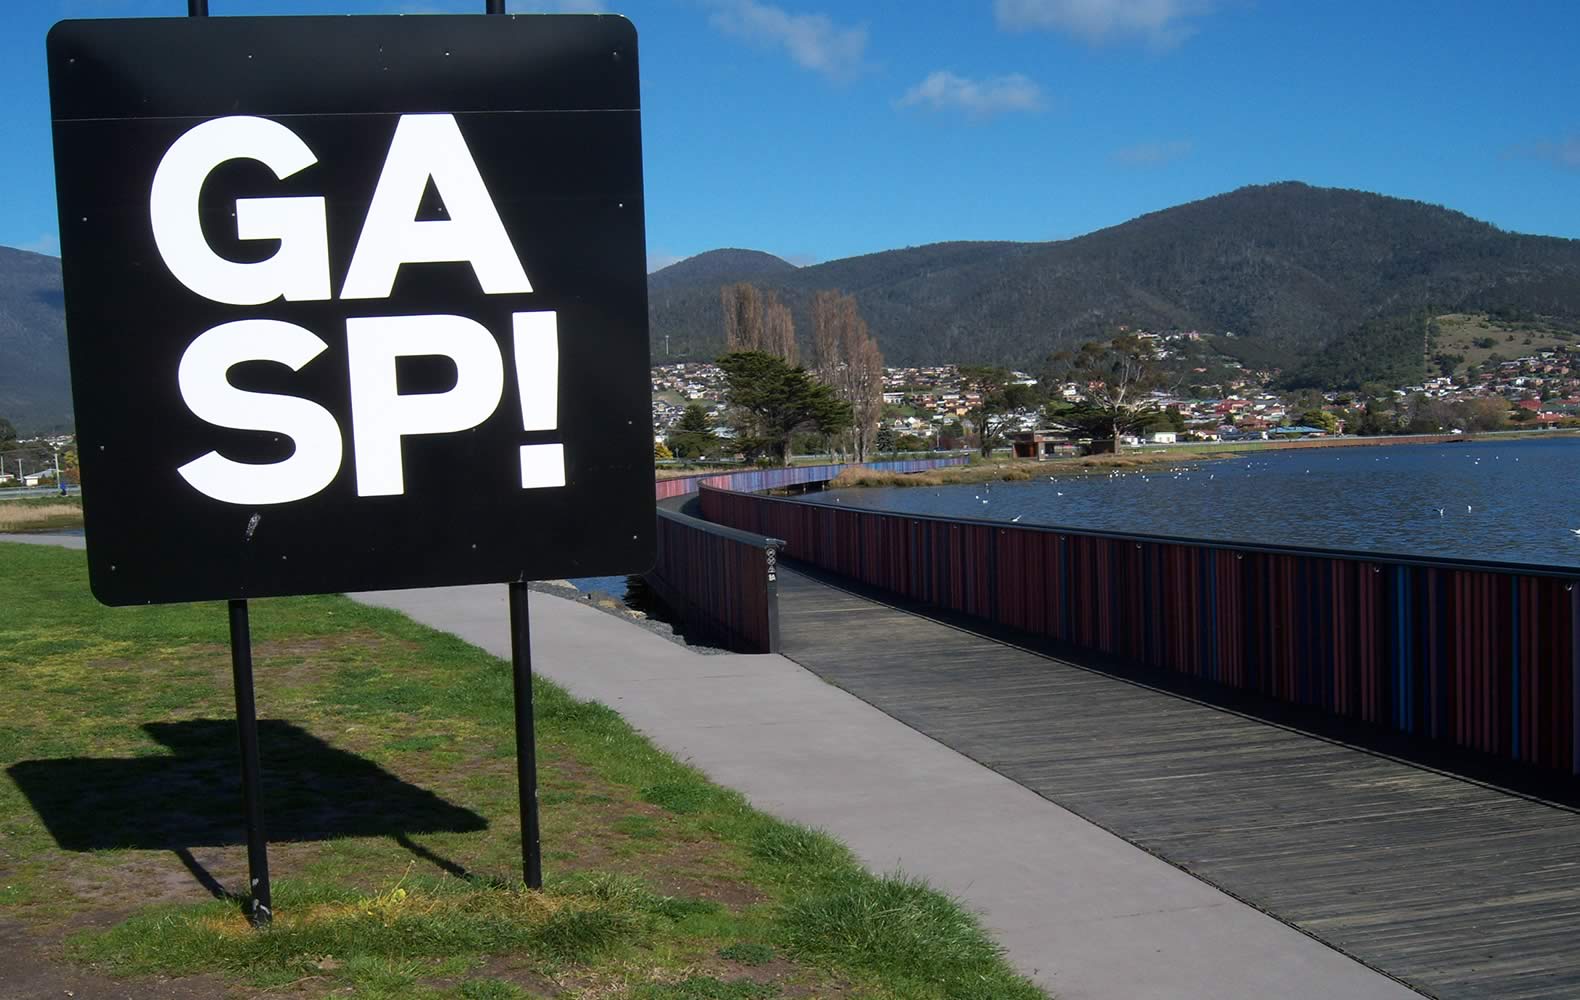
point(1043, 444)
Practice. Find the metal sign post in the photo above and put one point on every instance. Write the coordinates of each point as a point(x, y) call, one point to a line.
point(526, 743)
point(260, 903)
point(526, 736)
point(260, 900)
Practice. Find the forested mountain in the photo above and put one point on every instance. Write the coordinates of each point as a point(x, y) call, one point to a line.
point(1324, 283)
point(1287, 267)
point(35, 386)
point(1390, 352)
point(719, 267)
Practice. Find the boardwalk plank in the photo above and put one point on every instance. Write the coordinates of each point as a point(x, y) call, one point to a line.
point(1461, 890)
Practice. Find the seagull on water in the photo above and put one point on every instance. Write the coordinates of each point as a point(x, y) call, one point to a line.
point(1439, 511)
point(1017, 517)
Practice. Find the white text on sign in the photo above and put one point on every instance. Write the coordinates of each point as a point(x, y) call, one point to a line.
point(426, 148)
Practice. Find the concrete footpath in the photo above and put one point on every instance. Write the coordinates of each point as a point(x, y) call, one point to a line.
point(1084, 913)
point(59, 541)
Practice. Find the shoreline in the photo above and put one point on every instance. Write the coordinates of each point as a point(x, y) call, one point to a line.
point(1022, 470)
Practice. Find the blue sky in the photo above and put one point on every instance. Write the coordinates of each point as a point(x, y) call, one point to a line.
point(818, 130)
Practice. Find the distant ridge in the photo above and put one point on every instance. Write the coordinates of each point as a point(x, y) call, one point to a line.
point(35, 384)
point(1300, 274)
point(720, 267)
point(1287, 267)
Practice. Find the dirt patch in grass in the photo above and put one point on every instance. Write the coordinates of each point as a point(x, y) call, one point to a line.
point(730, 893)
point(519, 971)
point(109, 893)
point(29, 970)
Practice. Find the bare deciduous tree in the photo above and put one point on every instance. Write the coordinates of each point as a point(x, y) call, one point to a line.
point(849, 360)
point(743, 317)
point(779, 331)
point(826, 308)
point(866, 393)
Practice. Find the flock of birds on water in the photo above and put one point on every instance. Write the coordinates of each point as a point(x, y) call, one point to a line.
point(1184, 474)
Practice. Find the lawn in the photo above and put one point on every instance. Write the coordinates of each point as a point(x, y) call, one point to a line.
point(395, 848)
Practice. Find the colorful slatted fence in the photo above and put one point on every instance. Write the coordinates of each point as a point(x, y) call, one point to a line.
point(1483, 656)
point(720, 583)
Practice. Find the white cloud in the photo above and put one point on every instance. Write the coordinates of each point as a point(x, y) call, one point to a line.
point(1564, 152)
point(1153, 154)
point(946, 91)
point(47, 243)
point(813, 41)
point(1160, 23)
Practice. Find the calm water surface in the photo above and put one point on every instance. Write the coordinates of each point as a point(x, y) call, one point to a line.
point(1509, 501)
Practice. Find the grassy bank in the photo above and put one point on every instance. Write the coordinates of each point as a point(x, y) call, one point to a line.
point(389, 771)
point(50, 513)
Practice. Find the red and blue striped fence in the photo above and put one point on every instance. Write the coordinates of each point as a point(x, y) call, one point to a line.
point(720, 583)
point(1484, 656)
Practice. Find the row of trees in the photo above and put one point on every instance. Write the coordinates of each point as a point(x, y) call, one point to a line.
point(1421, 414)
point(1116, 376)
point(773, 400)
point(755, 321)
point(34, 455)
point(772, 397)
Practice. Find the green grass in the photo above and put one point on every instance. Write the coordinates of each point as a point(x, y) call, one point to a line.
point(748, 953)
point(1458, 333)
point(659, 883)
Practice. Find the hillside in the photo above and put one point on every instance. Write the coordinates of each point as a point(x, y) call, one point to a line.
point(35, 385)
point(720, 267)
point(1288, 267)
point(1323, 283)
point(1402, 349)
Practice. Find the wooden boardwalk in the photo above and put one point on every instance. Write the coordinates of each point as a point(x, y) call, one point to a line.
point(1457, 889)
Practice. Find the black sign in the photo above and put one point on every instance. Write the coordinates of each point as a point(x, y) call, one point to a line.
point(354, 303)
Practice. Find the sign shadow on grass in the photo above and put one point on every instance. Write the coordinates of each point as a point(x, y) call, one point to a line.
point(192, 796)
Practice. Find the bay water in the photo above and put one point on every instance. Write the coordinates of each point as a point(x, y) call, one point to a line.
point(1490, 499)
